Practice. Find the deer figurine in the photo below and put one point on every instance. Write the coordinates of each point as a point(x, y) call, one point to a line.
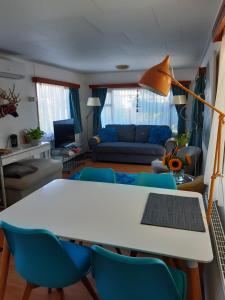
point(9, 102)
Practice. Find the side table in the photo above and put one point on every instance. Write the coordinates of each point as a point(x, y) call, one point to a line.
point(183, 178)
point(17, 154)
point(69, 158)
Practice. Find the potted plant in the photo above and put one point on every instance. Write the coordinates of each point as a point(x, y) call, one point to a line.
point(183, 139)
point(34, 136)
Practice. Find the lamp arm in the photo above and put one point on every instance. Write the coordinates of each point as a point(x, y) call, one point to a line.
point(218, 150)
point(176, 82)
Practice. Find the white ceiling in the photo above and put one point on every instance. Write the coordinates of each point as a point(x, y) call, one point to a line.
point(96, 35)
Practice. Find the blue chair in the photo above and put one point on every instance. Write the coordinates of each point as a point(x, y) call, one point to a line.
point(163, 181)
point(44, 260)
point(121, 277)
point(98, 175)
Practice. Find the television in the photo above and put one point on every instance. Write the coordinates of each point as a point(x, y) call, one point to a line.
point(64, 132)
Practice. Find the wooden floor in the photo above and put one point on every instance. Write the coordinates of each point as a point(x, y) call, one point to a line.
point(77, 292)
point(128, 168)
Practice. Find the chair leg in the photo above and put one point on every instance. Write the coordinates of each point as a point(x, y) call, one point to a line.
point(118, 250)
point(49, 290)
point(90, 288)
point(133, 253)
point(29, 287)
point(60, 293)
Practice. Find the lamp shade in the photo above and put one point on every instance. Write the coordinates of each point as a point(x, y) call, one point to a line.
point(179, 100)
point(93, 101)
point(157, 79)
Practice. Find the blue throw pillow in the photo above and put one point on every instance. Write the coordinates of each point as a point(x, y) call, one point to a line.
point(159, 134)
point(108, 134)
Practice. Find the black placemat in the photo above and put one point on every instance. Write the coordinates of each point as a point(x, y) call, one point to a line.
point(174, 212)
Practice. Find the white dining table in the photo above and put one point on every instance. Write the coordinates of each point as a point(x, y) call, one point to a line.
point(108, 214)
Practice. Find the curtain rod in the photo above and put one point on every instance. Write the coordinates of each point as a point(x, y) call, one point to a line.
point(127, 85)
point(55, 82)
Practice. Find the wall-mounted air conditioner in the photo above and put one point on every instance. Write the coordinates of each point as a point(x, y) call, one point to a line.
point(12, 69)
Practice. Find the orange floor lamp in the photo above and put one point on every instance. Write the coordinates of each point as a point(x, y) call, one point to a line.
point(158, 79)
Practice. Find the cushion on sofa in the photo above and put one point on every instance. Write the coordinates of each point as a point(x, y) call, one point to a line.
point(142, 133)
point(126, 133)
point(108, 134)
point(159, 134)
point(131, 148)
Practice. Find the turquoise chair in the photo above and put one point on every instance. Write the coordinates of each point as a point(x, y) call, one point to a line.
point(121, 277)
point(44, 260)
point(98, 175)
point(163, 181)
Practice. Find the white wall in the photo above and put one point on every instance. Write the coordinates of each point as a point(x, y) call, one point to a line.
point(28, 117)
point(212, 278)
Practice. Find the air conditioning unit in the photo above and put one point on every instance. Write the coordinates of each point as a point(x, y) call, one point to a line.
point(12, 69)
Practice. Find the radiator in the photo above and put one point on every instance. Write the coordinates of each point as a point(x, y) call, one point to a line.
point(218, 237)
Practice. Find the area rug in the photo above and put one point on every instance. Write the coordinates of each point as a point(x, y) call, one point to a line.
point(121, 177)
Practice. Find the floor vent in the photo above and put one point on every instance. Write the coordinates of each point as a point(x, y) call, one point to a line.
point(219, 240)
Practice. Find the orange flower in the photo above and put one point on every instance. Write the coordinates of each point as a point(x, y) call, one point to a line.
point(175, 164)
point(188, 159)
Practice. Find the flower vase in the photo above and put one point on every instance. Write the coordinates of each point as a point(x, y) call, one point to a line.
point(179, 176)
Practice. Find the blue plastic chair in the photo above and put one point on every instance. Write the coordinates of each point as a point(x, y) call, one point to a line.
point(44, 260)
point(164, 181)
point(98, 175)
point(121, 277)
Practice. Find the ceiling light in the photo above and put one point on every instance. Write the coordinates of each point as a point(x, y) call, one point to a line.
point(122, 67)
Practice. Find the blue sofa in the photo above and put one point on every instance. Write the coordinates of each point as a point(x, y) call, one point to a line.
point(134, 144)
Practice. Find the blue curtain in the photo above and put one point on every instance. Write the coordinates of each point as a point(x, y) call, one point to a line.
point(75, 109)
point(181, 124)
point(198, 113)
point(101, 94)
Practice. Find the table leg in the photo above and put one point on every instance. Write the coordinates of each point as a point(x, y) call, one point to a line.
point(3, 186)
point(194, 284)
point(4, 269)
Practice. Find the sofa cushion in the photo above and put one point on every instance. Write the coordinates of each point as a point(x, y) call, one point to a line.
point(131, 148)
point(142, 133)
point(108, 134)
point(159, 134)
point(126, 133)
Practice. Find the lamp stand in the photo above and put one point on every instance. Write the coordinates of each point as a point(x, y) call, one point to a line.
point(87, 119)
point(217, 159)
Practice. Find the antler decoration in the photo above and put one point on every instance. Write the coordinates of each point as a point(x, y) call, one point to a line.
point(9, 102)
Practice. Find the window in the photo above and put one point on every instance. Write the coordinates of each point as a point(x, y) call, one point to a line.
point(138, 106)
point(53, 104)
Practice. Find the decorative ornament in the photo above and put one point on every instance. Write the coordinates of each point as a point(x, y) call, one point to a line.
point(9, 102)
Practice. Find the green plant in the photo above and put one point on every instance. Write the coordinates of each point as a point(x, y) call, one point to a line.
point(34, 134)
point(183, 139)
